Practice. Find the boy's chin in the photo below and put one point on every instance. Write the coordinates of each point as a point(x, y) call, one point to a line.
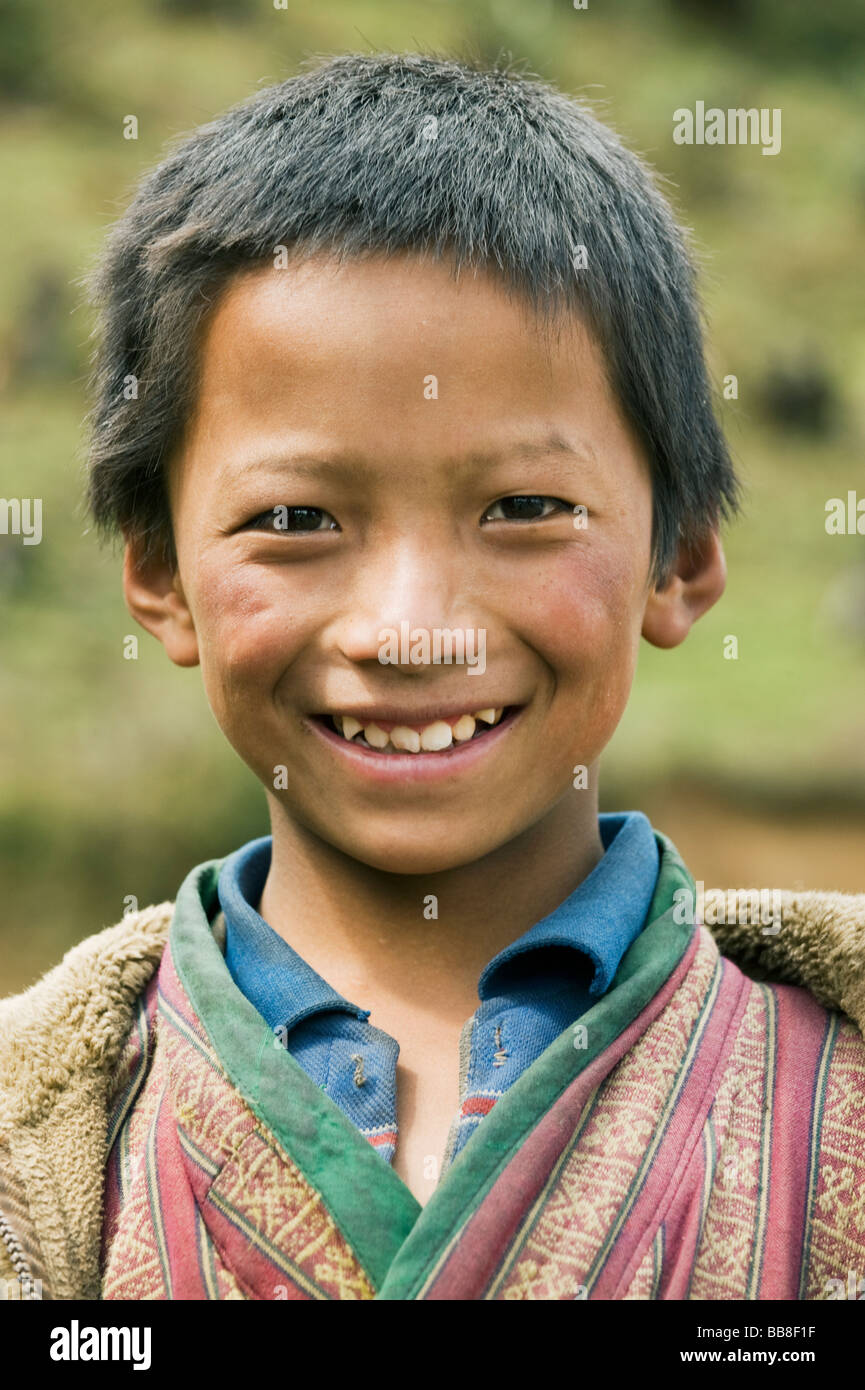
point(421, 857)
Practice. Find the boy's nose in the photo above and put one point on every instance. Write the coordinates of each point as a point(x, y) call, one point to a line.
point(412, 584)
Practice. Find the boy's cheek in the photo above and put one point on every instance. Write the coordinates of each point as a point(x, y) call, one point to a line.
point(243, 625)
point(244, 660)
point(244, 652)
point(582, 623)
point(589, 641)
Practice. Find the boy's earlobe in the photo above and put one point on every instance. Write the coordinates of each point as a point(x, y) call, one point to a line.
point(155, 598)
point(697, 582)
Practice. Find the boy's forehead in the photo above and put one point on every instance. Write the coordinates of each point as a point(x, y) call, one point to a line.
point(398, 304)
point(396, 354)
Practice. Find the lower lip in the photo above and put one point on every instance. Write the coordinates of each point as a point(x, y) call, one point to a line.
point(415, 767)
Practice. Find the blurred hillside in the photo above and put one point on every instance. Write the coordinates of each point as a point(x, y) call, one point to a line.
point(114, 779)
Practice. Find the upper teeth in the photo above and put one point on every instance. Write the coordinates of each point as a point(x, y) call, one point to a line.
point(429, 739)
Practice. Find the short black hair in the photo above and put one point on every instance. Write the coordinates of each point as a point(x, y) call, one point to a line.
point(385, 153)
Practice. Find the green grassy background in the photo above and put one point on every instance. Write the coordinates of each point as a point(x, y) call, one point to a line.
point(114, 779)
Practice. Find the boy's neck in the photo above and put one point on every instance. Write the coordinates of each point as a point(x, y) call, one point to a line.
point(366, 932)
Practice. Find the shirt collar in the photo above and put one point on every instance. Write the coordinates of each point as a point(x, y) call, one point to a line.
point(604, 914)
point(262, 964)
point(600, 919)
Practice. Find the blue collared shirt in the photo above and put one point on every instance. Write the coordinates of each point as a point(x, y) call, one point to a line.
point(529, 993)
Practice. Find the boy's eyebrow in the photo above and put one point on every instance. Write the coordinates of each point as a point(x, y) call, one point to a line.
point(529, 450)
point(356, 467)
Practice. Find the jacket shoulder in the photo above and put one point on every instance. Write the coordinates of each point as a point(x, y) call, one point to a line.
point(60, 1042)
point(77, 1017)
point(815, 940)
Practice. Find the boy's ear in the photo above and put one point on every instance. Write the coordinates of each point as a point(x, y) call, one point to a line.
point(697, 581)
point(155, 598)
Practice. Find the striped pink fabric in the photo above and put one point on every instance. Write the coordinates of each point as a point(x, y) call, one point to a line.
point(714, 1150)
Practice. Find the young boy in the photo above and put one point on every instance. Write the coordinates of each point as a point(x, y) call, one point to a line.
point(403, 415)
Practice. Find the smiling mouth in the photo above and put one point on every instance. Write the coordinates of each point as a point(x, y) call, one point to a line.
point(434, 736)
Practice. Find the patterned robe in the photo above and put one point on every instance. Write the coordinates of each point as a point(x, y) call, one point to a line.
point(695, 1135)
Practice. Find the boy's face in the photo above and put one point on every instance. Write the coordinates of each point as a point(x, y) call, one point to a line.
point(399, 410)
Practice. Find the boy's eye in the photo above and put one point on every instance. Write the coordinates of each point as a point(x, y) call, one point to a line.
point(525, 508)
point(304, 520)
point(292, 520)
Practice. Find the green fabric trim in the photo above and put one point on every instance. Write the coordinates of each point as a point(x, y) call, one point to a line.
point(370, 1204)
point(644, 968)
point(395, 1239)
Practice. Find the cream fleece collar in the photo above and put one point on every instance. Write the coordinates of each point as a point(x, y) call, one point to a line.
point(59, 1044)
